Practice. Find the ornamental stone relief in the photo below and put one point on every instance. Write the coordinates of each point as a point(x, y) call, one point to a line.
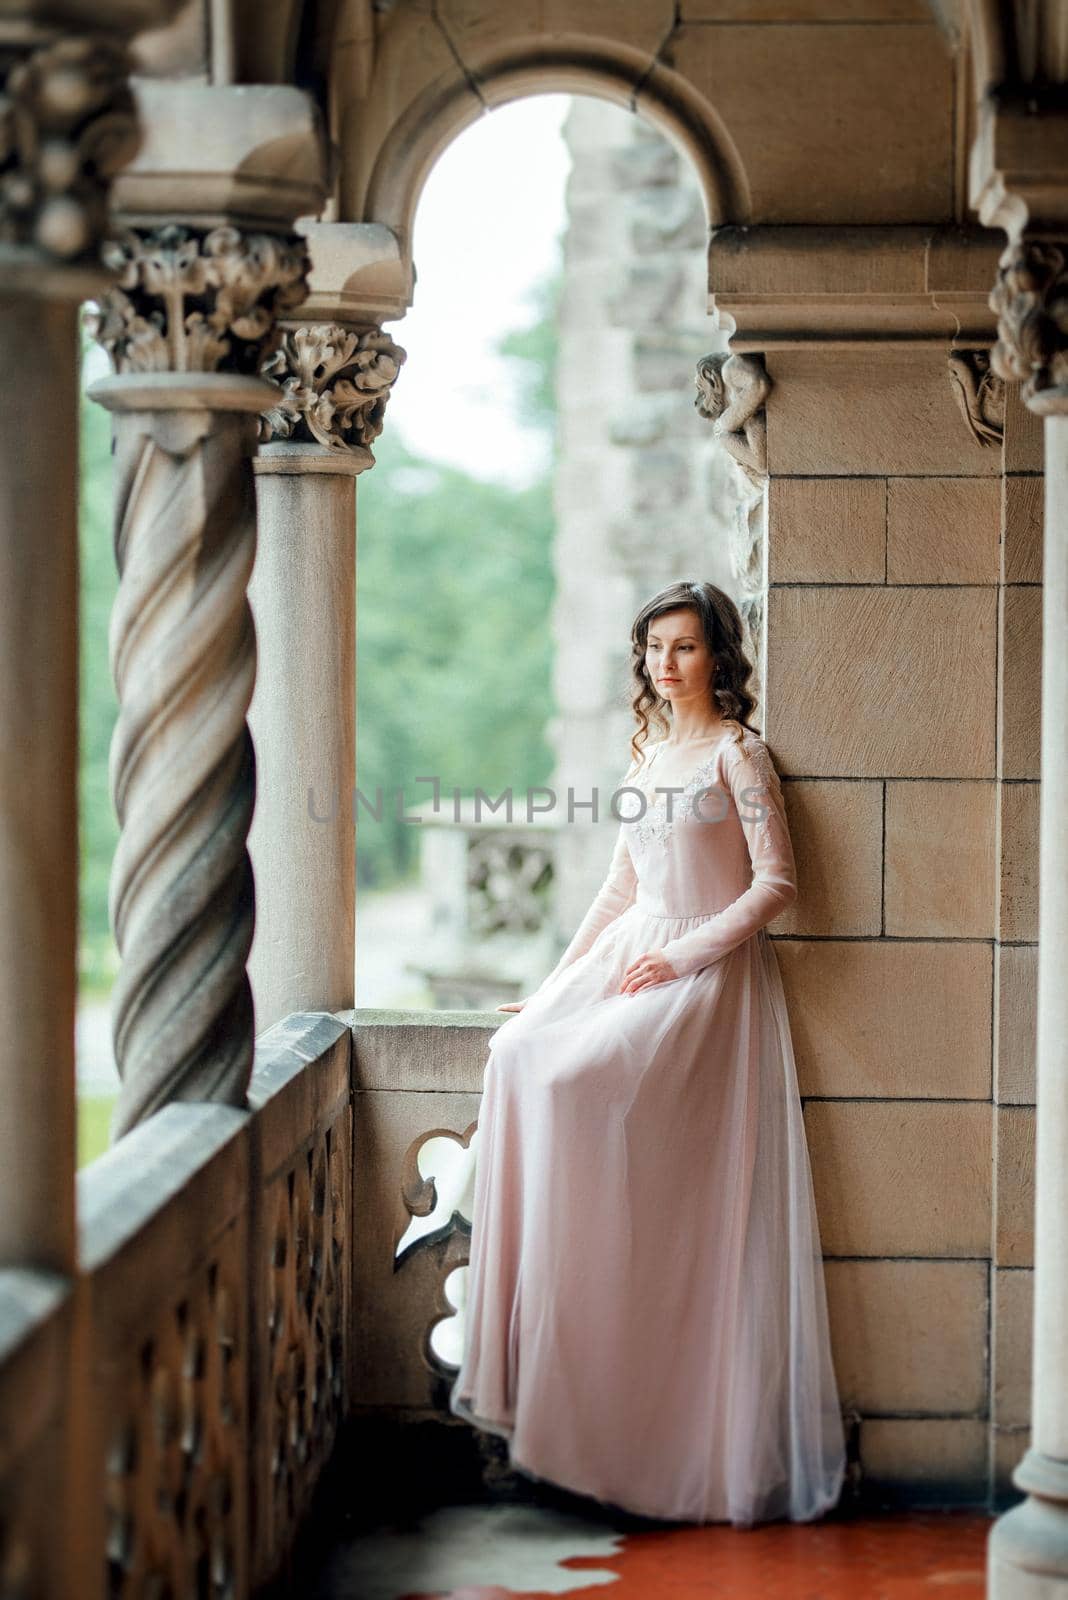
point(731, 394)
point(67, 126)
point(188, 300)
point(334, 384)
point(1031, 302)
point(980, 393)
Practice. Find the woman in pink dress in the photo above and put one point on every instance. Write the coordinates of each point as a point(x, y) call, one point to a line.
point(646, 1319)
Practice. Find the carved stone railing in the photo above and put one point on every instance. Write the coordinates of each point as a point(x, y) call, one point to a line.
point(489, 883)
point(213, 1307)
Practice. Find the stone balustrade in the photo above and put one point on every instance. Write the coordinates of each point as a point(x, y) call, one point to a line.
point(172, 1406)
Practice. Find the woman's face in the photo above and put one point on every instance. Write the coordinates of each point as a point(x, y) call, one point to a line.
point(677, 659)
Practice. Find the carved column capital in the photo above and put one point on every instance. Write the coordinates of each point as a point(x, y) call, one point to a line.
point(1030, 299)
point(334, 383)
point(197, 300)
point(68, 124)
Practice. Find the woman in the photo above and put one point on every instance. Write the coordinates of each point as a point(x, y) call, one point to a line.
point(646, 1320)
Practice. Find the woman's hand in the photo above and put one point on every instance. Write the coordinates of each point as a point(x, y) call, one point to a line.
point(647, 970)
point(513, 1005)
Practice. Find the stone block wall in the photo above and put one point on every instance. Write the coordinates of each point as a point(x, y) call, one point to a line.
point(903, 640)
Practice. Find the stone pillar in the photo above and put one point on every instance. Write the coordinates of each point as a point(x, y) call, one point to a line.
point(191, 318)
point(67, 124)
point(334, 375)
point(1028, 1547)
point(1018, 180)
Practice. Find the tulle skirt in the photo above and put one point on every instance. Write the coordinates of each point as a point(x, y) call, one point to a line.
point(645, 1316)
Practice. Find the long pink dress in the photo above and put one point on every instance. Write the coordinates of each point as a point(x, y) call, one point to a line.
point(646, 1319)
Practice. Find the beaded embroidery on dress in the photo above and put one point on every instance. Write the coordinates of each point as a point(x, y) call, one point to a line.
point(646, 1318)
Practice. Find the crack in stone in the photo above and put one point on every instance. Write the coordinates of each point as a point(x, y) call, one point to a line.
point(469, 77)
point(657, 56)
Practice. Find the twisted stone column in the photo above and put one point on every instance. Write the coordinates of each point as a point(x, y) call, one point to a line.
point(1028, 1548)
point(67, 123)
point(333, 384)
point(191, 317)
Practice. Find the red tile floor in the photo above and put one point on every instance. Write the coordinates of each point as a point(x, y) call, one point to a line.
point(475, 1554)
point(880, 1558)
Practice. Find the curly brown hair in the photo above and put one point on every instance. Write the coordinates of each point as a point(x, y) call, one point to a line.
point(723, 631)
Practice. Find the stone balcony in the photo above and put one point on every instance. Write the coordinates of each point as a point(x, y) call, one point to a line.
point(262, 1288)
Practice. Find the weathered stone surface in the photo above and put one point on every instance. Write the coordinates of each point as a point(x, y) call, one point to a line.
point(1024, 450)
point(901, 1178)
point(1018, 910)
point(836, 286)
point(1015, 1020)
point(781, 11)
point(932, 890)
point(1013, 1291)
point(1021, 681)
point(253, 155)
point(1022, 513)
point(895, 1019)
point(869, 412)
point(944, 1459)
point(883, 653)
point(358, 275)
point(826, 530)
point(836, 830)
point(416, 1050)
point(942, 530)
point(892, 106)
point(481, 33)
point(1014, 1205)
point(909, 1335)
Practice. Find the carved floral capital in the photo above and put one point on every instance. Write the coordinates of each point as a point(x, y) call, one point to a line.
point(334, 383)
point(1031, 302)
point(67, 125)
point(188, 300)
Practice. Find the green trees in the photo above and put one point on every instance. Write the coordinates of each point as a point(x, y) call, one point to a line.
point(454, 652)
point(454, 655)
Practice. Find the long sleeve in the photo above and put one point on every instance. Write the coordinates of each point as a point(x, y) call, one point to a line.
point(616, 893)
point(757, 795)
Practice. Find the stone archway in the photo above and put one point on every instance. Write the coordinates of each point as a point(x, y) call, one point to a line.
point(388, 192)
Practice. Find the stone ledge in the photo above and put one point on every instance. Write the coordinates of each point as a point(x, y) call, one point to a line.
point(253, 156)
point(421, 1050)
point(854, 285)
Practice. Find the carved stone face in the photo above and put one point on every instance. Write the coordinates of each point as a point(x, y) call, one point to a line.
point(711, 396)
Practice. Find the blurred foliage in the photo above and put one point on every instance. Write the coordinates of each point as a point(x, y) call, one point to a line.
point(534, 350)
point(454, 586)
point(98, 958)
point(454, 652)
point(94, 1126)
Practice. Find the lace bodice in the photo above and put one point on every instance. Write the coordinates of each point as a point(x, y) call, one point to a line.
point(713, 850)
point(663, 810)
